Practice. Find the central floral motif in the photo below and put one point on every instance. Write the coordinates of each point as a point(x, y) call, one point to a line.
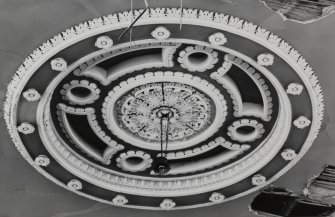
point(139, 110)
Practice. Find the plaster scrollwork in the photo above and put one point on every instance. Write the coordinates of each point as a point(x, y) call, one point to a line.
point(265, 59)
point(198, 58)
point(217, 39)
point(167, 204)
point(161, 33)
point(294, 89)
point(80, 92)
point(120, 200)
point(58, 64)
point(217, 197)
point(42, 160)
point(134, 161)
point(258, 179)
point(301, 122)
point(75, 184)
point(288, 154)
point(104, 42)
point(236, 130)
point(26, 128)
point(31, 95)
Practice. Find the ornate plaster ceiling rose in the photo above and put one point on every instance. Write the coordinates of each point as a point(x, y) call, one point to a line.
point(231, 108)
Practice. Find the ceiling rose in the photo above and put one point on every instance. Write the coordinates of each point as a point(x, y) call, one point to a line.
point(84, 108)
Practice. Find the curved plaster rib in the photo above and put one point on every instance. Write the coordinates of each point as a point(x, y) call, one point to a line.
point(79, 141)
point(130, 65)
point(194, 166)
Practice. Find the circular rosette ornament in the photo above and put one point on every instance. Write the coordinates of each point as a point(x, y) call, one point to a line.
point(301, 122)
point(265, 59)
point(74, 184)
point(217, 197)
point(288, 154)
point(258, 179)
point(167, 204)
point(58, 64)
point(120, 200)
point(294, 89)
point(26, 128)
point(161, 33)
point(217, 39)
point(104, 42)
point(168, 117)
point(42, 160)
point(31, 95)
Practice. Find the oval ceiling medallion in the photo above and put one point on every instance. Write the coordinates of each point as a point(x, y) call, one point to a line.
point(85, 108)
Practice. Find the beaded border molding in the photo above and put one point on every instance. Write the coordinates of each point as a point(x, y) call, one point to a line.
point(157, 16)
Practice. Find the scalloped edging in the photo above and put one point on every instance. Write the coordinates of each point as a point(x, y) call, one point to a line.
point(47, 48)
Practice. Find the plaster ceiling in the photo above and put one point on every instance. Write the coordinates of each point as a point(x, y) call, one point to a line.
point(26, 24)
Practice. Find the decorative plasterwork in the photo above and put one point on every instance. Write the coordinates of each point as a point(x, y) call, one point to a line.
point(26, 128)
point(220, 141)
point(161, 187)
point(301, 122)
point(217, 197)
point(265, 59)
point(226, 66)
point(80, 99)
point(288, 154)
point(258, 179)
point(203, 164)
point(89, 68)
point(104, 42)
point(294, 89)
point(125, 163)
point(250, 108)
point(219, 102)
point(42, 160)
point(217, 39)
point(120, 200)
point(58, 64)
point(235, 132)
point(113, 146)
point(167, 204)
point(161, 33)
point(31, 95)
point(75, 184)
point(205, 60)
point(179, 186)
point(139, 110)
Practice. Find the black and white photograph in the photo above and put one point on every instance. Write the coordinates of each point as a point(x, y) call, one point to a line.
point(167, 108)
